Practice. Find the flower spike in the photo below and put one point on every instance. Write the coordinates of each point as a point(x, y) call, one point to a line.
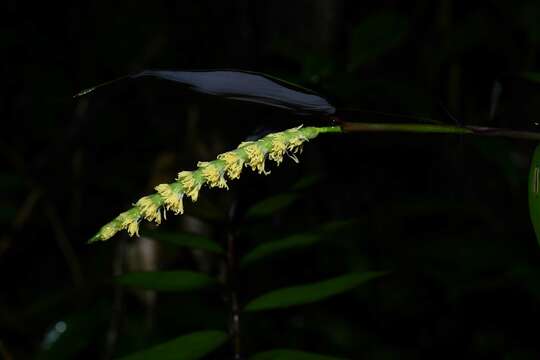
point(251, 154)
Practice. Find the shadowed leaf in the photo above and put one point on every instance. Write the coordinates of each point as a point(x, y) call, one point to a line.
point(273, 247)
point(534, 192)
point(285, 354)
point(305, 294)
point(271, 205)
point(306, 182)
point(294, 241)
point(240, 86)
point(336, 225)
point(533, 77)
point(187, 347)
point(166, 280)
point(185, 239)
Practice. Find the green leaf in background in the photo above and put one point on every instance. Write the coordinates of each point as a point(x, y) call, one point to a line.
point(185, 239)
point(305, 294)
point(294, 241)
point(534, 192)
point(271, 205)
point(375, 36)
point(333, 226)
point(187, 347)
point(166, 280)
point(277, 246)
point(533, 77)
point(306, 182)
point(286, 354)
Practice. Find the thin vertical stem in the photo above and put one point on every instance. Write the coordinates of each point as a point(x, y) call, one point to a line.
point(117, 305)
point(234, 320)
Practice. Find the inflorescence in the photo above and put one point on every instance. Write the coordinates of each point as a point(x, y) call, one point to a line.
point(170, 197)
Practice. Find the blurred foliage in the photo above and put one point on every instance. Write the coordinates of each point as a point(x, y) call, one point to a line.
point(534, 192)
point(192, 346)
point(447, 216)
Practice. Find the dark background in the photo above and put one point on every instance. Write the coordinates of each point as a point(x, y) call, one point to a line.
point(447, 215)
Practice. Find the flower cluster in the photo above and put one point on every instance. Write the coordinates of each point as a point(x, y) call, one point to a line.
point(169, 197)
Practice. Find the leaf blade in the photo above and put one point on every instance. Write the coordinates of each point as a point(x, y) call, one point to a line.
point(531, 76)
point(179, 281)
point(534, 192)
point(306, 182)
point(271, 205)
point(285, 354)
point(313, 292)
point(277, 246)
point(189, 347)
point(294, 241)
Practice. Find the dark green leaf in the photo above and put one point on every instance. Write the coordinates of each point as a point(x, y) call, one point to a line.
point(187, 347)
point(534, 192)
point(166, 280)
point(273, 247)
point(306, 181)
point(271, 205)
point(185, 239)
point(534, 77)
point(375, 36)
point(294, 241)
point(286, 354)
point(337, 225)
point(305, 294)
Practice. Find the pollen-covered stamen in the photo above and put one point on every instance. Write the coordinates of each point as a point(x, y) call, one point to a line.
point(172, 196)
point(190, 183)
point(296, 141)
point(233, 164)
point(256, 156)
point(133, 228)
point(149, 207)
point(129, 220)
point(295, 144)
point(213, 173)
point(278, 147)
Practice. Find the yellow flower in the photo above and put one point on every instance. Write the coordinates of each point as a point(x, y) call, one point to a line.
point(213, 174)
point(279, 147)
point(190, 183)
point(250, 154)
point(256, 156)
point(130, 220)
point(233, 164)
point(295, 143)
point(149, 207)
point(133, 228)
point(172, 197)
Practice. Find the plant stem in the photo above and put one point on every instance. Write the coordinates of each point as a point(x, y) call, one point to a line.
point(234, 322)
point(348, 127)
